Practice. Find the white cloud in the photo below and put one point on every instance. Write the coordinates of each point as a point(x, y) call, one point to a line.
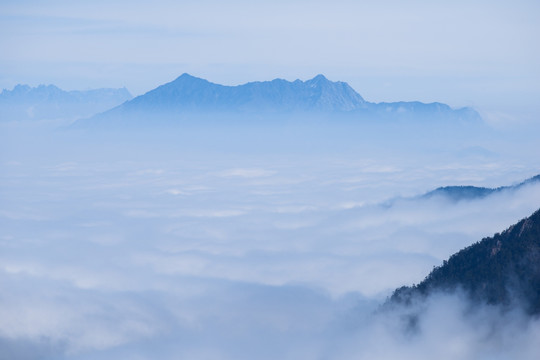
point(240, 255)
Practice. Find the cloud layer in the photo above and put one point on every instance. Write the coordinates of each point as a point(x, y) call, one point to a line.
point(146, 249)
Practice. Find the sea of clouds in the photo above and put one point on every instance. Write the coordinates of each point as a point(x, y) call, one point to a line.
point(145, 249)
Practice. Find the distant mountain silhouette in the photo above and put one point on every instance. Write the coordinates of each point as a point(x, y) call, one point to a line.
point(48, 102)
point(458, 193)
point(500, 270)
point(191, 95)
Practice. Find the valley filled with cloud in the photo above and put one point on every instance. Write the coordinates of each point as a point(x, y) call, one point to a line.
point(132, 247)
point(247, 180)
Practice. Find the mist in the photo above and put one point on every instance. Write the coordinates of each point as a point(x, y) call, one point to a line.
point(210, 221)
point(265, 240)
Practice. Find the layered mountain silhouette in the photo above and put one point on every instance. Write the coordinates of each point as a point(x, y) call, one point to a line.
point(458, 193)
point(48, 102)
point(500, 270)
point(188, 93)
point(191, 95)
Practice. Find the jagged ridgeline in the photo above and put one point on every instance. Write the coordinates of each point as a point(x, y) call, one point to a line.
point(189, 97)
point(500, 270)
point(48, 102)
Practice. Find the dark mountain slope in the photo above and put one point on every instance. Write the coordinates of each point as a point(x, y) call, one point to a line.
point(500, 270)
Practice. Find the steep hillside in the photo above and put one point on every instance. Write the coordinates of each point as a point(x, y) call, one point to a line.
point(500, 270)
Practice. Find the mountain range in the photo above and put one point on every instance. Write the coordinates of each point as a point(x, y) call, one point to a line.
point(500, 270)
point(189, 93)
point(190, 96)
point(48, 102)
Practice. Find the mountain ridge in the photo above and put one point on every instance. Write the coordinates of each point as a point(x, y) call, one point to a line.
point(42, 91)
point(500, 270)
point(468, 192)
point(188, 95)
point(50, 102)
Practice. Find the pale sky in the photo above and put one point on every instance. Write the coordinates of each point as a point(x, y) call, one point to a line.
point(236, 241)
point(484, 54)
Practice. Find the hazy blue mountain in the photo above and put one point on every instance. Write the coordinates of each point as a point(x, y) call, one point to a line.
point(457, 193)
point(419, 110)
point(191, 95)
point(48, 102)
point(499, 270)
point(188, 93)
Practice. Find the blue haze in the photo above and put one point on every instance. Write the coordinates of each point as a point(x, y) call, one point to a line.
point(217, 239)
point(389, 50)
point(210, 235)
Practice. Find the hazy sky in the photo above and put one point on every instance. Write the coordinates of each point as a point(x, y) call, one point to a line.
point(276, 241)
point(485, 54)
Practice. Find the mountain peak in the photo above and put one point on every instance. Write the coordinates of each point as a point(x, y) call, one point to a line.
point(186, 76)
point(188, 79)
point(188, 93)
point(21, 88)
point(321, 80)
point(320, 77)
